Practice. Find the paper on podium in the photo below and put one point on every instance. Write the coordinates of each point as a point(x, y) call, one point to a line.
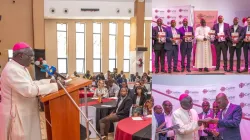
point(137, 118)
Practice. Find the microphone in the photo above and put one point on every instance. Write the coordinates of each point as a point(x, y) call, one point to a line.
point(50, 70)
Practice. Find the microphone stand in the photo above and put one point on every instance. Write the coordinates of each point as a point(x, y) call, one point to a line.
point(86, 107)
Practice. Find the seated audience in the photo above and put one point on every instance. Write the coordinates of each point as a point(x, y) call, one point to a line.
point(100, 77)
point(101, 90)
point(121, 112)
point(87, 75)
point(113, 89)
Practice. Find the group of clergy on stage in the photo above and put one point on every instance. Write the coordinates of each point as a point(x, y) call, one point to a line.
point(221, 122)
point(166, 41)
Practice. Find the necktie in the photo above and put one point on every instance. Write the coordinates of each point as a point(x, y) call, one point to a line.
point(160, 29)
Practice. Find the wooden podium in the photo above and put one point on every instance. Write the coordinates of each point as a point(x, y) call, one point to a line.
point(62, 115)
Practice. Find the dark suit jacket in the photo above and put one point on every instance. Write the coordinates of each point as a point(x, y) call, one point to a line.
point(226, 31)
point(211, 115)
point(157, 46)
point(142, 99)
point(229, 126)
point(244, 30)
point(241, 36)
point(123, 110)
point(182, 33)
point(169, 34)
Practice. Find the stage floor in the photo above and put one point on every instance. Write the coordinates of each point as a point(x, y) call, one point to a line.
point(44, 133)
point(195, 71)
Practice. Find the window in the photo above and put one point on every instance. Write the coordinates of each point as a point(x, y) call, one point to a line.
point(80, 48)
point(62, 48)
point(126, 60)
point(97, 47)
point(112, 46)
point(150, 49)
point(10, 54)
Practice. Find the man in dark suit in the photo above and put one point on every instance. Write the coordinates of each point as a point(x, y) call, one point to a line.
point(205, 134)
point(121, 111)
point(235, 44)
point(229, 118)
point(171, 46)
point(158, 46)
point(246, 47)
point(186, 47)
point(221, 27)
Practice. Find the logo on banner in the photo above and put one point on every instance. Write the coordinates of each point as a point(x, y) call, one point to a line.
point(227, 89)
point(168, 91)
point(181, 16)
point(231, 98)
point(241, 85)
point(157, 17)
point(205, 91)
point(200, 16)
point(209, 99)
point(191, 92)
point(169, 11)
point(245, 105)
point(242, 95)
point(171, 17)
point(183, 10)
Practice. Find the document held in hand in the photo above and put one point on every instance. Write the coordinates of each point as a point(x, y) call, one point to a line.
point(235, 37)
point(161, 37)
point(212, 35)
point(221, 37)
point(188, 37)
point(176, 37)
point(248, 36)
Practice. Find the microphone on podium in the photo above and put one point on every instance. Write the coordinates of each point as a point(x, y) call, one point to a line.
point(51, 70)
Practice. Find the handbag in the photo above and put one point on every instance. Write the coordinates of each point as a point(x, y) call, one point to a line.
point(16, 131)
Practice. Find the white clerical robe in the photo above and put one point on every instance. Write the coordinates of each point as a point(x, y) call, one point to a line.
point(203, 54)
point(16, 83)
point(187, 121)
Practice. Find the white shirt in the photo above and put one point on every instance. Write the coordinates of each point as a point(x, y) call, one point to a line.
point(235, 27)
point(169, 123)
point(221, 27)
point(173, 31)
point(138, 100)
point(225, 110)
point(160, 28)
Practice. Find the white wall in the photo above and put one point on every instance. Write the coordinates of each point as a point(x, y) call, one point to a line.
point(228, 8)
point(107, 9)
